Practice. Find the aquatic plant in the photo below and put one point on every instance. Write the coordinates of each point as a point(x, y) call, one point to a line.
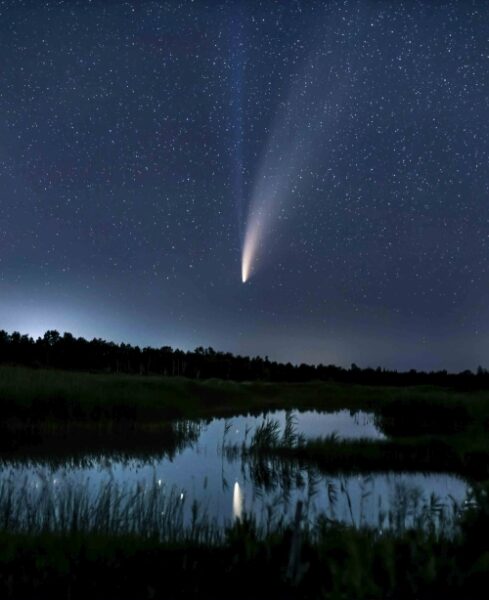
point(266, 435)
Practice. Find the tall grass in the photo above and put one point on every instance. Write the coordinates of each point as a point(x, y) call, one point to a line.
point(129, 544)
point(64, 506)
point(465, 455)
point(41, 503)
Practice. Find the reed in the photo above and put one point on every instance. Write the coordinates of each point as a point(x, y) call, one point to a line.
point(41, 503)
point(96, 555)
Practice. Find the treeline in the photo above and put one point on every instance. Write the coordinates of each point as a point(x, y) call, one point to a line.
point(54, 350)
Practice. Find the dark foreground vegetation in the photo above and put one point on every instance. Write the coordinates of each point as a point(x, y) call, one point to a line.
point(65, 351)
point(131, 403)
point(245, 562)
point(42, 395)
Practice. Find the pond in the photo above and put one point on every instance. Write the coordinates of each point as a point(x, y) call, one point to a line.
point(311, 424)
point(210, 479)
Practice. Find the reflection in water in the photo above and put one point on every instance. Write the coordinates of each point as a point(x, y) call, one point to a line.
point(237, 502)
point(392, 502)
point(193, 481)
point(79, 446)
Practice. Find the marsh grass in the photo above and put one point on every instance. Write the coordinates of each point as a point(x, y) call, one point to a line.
point(42, 395)
point(120, 545)
point(267, 434)
point(333, 454)
point(63, 541)
point(41, 503)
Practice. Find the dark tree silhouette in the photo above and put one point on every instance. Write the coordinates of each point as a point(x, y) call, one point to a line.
point(54, 350)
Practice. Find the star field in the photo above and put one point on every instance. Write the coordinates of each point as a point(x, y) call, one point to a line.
point(133, 136)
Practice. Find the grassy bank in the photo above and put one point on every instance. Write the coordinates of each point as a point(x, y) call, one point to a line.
point(33, 396)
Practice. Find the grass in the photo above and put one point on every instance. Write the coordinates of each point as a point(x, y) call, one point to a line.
point(133, 543)
point(114, 509)
point(40, 396)
point(40, 503)
point(332, 454)
point(244, 560)
point(463, 453)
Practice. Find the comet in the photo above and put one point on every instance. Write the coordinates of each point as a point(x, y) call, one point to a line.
point(295, 156)
point(263, 210)
point(250, 248)
point(278, 180)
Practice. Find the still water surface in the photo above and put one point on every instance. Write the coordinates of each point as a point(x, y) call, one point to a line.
point(226, 484)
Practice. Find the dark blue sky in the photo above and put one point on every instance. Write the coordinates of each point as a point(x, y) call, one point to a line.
point(135, 136)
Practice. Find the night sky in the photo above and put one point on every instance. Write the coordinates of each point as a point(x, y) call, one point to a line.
point(142, 142)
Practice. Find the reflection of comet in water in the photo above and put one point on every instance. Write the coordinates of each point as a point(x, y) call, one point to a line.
point(237, 502)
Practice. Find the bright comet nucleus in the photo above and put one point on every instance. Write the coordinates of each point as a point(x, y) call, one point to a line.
point(249, 250)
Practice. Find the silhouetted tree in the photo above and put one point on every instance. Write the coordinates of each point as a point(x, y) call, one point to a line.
point(68, 352)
